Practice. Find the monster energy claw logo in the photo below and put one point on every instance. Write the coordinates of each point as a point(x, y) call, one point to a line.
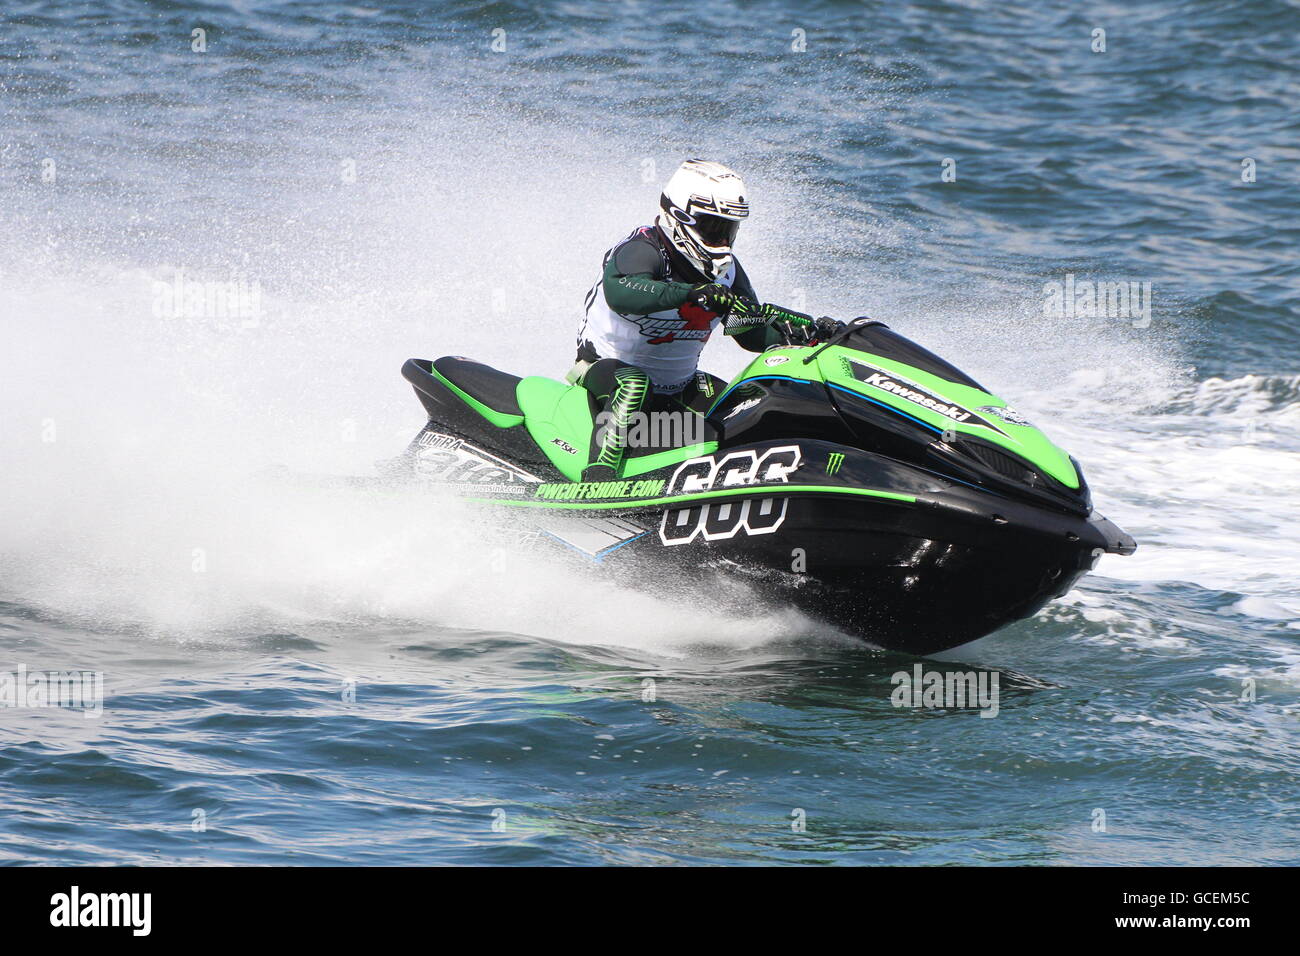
point(833, 462)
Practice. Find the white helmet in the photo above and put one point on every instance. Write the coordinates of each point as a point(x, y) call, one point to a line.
point(703, 205)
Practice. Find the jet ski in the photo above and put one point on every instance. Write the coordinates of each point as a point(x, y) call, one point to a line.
point(861, 479)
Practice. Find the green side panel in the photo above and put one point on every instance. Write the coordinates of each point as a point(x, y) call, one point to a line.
point(765, 491)
point(791, 367)
point(661, 459)
point(499, 419)
point(1024, 440)
point(553, 410)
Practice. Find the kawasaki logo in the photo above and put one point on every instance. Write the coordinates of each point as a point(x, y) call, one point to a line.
point(911, 392)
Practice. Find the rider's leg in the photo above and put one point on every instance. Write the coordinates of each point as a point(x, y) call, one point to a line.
point(620, 391)
point(575, 375)
point(691, 404)
point(702, 392)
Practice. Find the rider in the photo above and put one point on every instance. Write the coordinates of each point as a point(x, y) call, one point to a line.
point(663, 290)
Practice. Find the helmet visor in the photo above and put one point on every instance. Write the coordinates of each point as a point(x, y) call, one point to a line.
point(715, 230)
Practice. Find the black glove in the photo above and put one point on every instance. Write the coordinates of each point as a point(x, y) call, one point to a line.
point(824, 327)
point(718, 299)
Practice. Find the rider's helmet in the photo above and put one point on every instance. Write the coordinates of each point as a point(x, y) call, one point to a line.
point(702, 207)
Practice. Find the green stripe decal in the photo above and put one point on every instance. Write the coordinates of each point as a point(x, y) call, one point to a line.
point(766, 491)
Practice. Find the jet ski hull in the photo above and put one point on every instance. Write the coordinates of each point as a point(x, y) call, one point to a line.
point(874, 488)
point(883, 573)
point(901, 558)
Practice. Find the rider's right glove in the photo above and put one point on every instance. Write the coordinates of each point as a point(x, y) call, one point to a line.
point(825, 327)
point(718, 299)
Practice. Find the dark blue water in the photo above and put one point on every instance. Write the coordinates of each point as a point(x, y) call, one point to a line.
point(306, 675)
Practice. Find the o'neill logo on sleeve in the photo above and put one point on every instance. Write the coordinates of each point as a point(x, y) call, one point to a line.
point(916, 394)
point(74, 908)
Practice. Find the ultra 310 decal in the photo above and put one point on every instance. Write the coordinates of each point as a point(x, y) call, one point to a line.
point(442, 458)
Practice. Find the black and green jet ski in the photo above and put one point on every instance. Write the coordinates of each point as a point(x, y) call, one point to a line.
point(863, 480)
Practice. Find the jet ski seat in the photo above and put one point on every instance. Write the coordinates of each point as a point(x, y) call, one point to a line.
point(460, 391)
point(483, 383)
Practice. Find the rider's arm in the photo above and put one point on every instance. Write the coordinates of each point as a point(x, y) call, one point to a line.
point(630, 284)
point(751, 335)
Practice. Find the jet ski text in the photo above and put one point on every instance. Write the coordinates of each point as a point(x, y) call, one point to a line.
point(738, 468)
point(719, 520)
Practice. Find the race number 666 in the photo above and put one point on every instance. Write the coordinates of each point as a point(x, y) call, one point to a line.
point(720, 520)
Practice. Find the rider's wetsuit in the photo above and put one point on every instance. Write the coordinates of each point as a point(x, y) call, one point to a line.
point(640, 341)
